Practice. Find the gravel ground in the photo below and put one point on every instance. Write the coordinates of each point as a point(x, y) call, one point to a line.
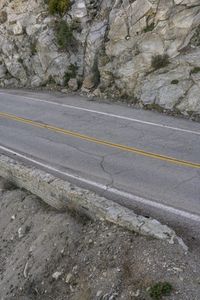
point(49, 255)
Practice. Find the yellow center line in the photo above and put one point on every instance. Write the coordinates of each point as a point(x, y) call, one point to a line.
point(101, 142)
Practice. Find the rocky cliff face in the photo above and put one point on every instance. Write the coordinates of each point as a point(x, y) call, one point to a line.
point(146, 51)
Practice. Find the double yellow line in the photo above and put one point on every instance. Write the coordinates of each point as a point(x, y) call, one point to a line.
point(101, 142)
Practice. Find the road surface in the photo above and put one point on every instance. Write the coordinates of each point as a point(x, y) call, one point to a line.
point(142, 159)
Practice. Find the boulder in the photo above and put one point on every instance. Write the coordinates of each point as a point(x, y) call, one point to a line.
point(88, 82)
point(17, 70)
point(191, 103)
point(73, 84)
point(17, 28)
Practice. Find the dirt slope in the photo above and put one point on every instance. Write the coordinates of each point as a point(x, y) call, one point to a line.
point(49, 255)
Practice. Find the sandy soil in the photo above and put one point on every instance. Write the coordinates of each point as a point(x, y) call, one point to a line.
point(49, 255)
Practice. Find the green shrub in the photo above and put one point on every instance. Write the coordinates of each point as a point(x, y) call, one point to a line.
point(33, 48)
point(64, 35)
point(71, 73)
point(190, 113)
point(129, 99)
point(59, 6)
point(195, 40)
point(95, 71)
point(195, 70)
point(160, 289)
point(73, 70)
point(175, 81)
point(159, 61)
point(51, 80)
point(154, 106)
point(3, 17)
point(149, 27)
point(20, 60)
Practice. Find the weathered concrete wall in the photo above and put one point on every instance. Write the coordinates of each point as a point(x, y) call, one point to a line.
point(62, 195)
point(114, 42)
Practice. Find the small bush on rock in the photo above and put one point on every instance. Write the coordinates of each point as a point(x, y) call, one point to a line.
point(154, 106)
point(195, 70)
point(175, 81)
point(3, 17)
point(95, 71)
point(195, 40)
point(59, 6)
point(64, 35)
point(33, 48)
point(159, 290)
point(72, 72)
point(159, 61)
point(149, 27)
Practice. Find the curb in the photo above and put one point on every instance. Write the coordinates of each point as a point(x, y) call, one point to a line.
point(63, 195)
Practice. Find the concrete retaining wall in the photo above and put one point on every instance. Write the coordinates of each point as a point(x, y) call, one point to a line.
point(62, 195)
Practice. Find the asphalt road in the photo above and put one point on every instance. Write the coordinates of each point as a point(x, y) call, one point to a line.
point(143, 159)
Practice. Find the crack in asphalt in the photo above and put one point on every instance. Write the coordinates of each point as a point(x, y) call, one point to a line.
point(184, 181)
point(106, 172)
point(103, 168)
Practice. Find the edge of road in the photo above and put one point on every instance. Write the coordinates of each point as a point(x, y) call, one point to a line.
point(62, 195)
